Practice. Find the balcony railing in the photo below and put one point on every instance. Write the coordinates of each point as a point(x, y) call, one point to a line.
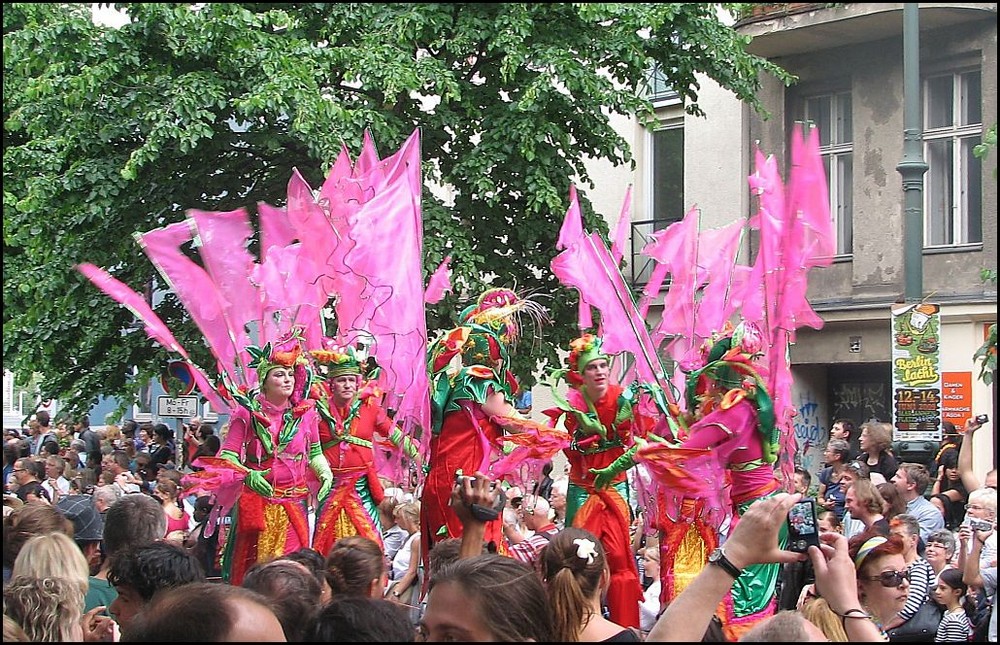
point(642, 266)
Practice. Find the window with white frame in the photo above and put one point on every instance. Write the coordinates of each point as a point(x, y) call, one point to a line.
point(666, 192)
point(831, 114)
point(953, 186)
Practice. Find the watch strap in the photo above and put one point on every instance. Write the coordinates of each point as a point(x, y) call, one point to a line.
point(718, 558)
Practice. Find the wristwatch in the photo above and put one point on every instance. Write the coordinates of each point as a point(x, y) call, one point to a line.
point(719, 559)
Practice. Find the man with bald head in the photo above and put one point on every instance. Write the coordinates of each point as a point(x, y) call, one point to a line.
point(534, 513)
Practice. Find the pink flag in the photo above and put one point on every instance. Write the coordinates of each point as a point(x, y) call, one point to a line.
point(623, 228)
point(154, 326)
point(439, 283)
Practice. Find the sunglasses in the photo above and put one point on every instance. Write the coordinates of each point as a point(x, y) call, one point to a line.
point(890, 578)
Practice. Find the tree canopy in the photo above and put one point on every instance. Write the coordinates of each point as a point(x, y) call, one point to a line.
point(109, 131)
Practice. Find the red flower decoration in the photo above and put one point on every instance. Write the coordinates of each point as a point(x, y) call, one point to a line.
point(262, 418)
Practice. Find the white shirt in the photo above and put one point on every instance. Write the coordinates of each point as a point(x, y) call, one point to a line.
point(649, 608)
point(401, 562)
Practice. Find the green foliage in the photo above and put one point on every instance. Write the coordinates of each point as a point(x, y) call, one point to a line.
point(986, 355)
point(112, 131)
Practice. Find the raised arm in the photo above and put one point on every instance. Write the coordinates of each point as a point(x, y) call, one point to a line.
point(969, 479)
point(754, 540)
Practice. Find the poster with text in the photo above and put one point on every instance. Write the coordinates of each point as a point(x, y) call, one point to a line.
point(916, 372)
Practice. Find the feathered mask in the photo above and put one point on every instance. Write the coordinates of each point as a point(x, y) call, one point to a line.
point(500, 310)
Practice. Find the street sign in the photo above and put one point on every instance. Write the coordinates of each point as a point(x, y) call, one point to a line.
point(177, 406)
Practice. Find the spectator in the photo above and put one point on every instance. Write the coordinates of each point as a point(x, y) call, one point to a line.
point(921, 574)
point(831, 487)
point(104, 497)
point(865, 503)
point(292, 591)
point(801, 481)
point(557, 500)
point(163, 450)
point(543, 487)
point(203, 539)
point(52, 555)
point(47, 609)
point(783, 627)
point(875, 440)
point(209, 447)
point(950, 593)
point(576, 575)
point(55, 484)
point(393, 535)
point(355, 566)
point(817, 611)
point(983, 506)
point(316, 563)
point(404, 581)
point(178, 520)
point(883, 580)
point(207, 612)
point(25, 523)
point(939, 551)
point(132, 522)
point(846, 430)
point(42, 436)
point(911, 480)
point(828, 522)
point(650, 607)
point(354, 619)
point(948, 493)
point(501, 600)
point(88, 527)
point(894, 503)
point(138, 573)
point(976, 575)
point(91, 441)
point(534, 512)
point(28, 474)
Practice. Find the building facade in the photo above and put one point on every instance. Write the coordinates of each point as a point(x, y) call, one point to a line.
point(848, 59)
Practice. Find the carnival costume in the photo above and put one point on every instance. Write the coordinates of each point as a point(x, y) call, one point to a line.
point(347, 435)
point(275, 448)
point(464, 437)
point(602, 431)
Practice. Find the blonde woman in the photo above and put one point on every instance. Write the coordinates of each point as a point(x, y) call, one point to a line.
point(48, 584)
point(649, 609)
point(404, 586)
point(817, 611)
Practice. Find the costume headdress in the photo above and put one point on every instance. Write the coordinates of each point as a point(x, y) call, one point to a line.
point(337, 361)
point(583, 351)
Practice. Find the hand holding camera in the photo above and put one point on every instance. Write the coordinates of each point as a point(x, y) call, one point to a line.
point(477, 498)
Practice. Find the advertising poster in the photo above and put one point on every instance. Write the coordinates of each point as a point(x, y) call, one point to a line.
point(916, 372)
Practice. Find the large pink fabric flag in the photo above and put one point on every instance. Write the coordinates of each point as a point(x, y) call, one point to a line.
point(589, 268)
point(154, 326)
point(571, 233)
point(199, 294)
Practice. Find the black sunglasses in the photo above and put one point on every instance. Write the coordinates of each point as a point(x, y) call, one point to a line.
point(891, 578)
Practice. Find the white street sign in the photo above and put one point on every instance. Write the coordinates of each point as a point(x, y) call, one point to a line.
point(177, 406)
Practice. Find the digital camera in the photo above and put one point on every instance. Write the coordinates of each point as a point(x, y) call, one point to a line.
point(980, 525)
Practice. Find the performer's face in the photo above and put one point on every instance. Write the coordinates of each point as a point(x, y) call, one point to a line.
point(280, 382)
point(595, 377)
point(343, 388)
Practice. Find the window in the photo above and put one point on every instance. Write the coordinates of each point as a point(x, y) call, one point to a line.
point(658, 90)
point(831, 114)
point(667, 191)
point(953, 189)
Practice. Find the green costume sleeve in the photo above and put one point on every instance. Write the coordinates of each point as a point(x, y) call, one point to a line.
point(321, 467)
point(604, 476)
point(256, 480)
point(403, 442)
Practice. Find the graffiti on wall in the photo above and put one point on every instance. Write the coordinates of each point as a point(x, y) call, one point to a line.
point(860, 401)
point(809, 435)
